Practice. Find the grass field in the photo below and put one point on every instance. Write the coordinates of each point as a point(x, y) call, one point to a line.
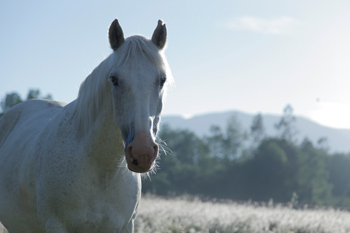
point(190, 215)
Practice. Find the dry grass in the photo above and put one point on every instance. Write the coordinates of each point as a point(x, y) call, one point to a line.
point(184, 215)
point(191, 215)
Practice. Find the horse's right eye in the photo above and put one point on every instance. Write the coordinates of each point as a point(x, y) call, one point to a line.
point(114, 80)
point(162, 81)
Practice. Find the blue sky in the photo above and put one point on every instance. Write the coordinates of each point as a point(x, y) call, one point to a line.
point(254, 56)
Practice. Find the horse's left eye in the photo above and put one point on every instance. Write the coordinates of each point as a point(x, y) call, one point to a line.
point(114, 80)
point(162, 81)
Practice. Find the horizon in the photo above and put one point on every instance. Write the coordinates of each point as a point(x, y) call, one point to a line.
point(337, 139)
point(189, 117)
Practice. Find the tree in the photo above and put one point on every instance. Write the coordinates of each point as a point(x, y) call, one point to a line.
point(35, 94)
point(10, 100)
point(338, 167)
point(186, 168)
point(226, 145)
point(14, 98)
point(257, 130)
point(313, 176)
point(215, 142)
point(268, 172)
point(286, 126)
point(322, 143)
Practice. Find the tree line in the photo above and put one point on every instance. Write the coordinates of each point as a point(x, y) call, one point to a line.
point(14, 98)
point(233, 164)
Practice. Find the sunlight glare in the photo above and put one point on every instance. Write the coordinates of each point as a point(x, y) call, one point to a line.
point(335, 115)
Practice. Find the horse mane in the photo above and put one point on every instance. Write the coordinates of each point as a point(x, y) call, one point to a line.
point(95, 90)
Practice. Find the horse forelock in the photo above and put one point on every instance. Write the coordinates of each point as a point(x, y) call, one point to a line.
point(95, 90)
point(139, 47)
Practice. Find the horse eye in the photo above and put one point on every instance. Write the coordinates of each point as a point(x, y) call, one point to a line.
point(114, 80)
point(162, 81)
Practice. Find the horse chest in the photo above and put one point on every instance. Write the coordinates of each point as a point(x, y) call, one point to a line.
point(90, 204)
point(98, 218)
point(104, 211)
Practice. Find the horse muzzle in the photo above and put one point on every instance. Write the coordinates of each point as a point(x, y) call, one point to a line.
point(141, 153)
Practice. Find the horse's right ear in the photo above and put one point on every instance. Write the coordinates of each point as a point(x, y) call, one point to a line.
point(115, 35)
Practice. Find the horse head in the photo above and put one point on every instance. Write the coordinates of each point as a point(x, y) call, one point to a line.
point(138, 82)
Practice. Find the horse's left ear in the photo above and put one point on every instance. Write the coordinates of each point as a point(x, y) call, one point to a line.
point(115, 35)
point(159, 36)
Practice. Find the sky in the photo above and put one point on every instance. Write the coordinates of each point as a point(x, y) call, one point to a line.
point(253, 56)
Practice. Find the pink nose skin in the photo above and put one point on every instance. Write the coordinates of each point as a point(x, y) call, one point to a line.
point(141, 153)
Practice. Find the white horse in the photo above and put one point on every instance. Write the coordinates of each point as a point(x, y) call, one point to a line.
point(62, 167)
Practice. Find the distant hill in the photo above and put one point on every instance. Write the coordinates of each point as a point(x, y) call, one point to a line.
point(338, 139)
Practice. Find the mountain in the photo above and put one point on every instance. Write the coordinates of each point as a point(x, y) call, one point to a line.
point(338, 139)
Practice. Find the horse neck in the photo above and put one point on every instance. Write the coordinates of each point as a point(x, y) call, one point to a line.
point(103, 142)
point(96, 126)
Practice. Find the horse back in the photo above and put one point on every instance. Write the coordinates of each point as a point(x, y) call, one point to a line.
point(28, 114)
point(7, 122)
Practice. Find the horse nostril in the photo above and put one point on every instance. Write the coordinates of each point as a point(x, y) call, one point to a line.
point(155, 148)
point(135, 162)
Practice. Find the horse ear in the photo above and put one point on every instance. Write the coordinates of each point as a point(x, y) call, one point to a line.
point(159, 36)
point(115, 35)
